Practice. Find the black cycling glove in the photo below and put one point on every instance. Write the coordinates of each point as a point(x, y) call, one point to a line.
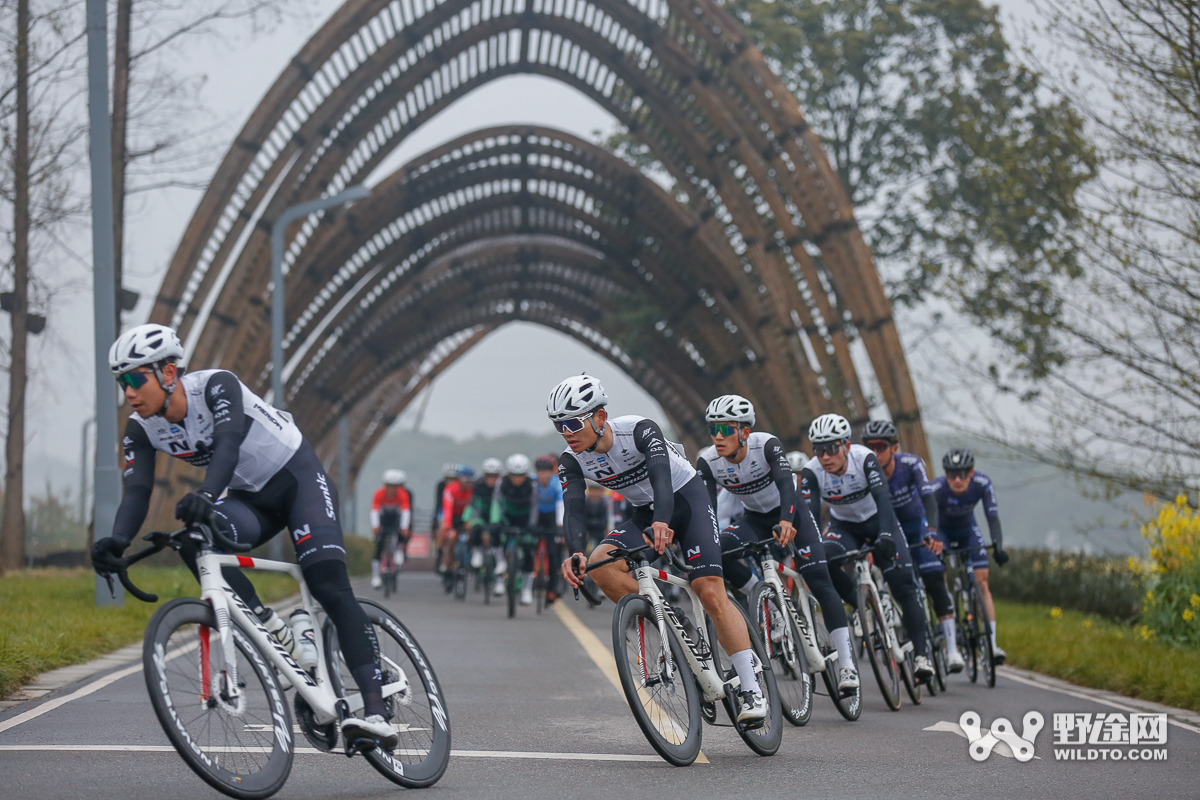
point(1001, 557)
point(105, 553)
point(885, 548)
point(195, 507)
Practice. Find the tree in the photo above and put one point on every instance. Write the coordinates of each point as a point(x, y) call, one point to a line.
point(1125, 407)
point(963, 171)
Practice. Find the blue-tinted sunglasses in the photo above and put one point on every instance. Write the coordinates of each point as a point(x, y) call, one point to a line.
point(133, 380)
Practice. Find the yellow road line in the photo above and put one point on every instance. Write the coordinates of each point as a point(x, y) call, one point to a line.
point(596, 650)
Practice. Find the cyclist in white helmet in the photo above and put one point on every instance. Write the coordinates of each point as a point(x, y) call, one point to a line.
point(391, 515)
point(752, 466)
point(477, 516)
point(849, 478)
point(631, 454)
point(273, 480)
point(514, 508)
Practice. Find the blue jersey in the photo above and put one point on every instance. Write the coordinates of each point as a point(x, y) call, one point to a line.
point(550, 496)
point(908, 484)
point(957, 511)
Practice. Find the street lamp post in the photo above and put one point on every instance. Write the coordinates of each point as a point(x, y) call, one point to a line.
point(289, 216)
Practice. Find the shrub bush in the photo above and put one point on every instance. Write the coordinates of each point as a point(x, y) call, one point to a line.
point(1110, 586)
point(1171, 606)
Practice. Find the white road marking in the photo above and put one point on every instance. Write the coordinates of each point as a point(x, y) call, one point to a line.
point(166, 748)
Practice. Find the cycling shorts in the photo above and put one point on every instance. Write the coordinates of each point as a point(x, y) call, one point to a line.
point(301, 498)
point(967, 537)
point(915, 530)
point(844, 536)
point(694, 523)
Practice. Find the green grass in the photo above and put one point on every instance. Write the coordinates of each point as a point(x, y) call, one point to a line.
point(49, 618)
point(1089, 650)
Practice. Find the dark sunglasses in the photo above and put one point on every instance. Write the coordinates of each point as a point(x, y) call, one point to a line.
point(957, 473)
point(133, 380)
point(879, 445)
point(573, 425)
point(722, 429)
point(826, 448)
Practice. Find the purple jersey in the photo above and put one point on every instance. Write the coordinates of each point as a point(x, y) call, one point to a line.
point(908, 484)
point(957, 511)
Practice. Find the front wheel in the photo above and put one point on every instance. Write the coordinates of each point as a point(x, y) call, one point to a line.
point(984, 654)
point(413, 696)
point(657, 682)
point(781, 639)
point(874, 626)
point(241, 745)
point(765, 739)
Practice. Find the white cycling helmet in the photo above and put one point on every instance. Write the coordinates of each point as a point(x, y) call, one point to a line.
point(394, 477)
point(829, 428)
point(730, 408)
point(518, 464)
point(449, 470)
point(575, 396)
point(492, 466)
point(796, 460)
point(144, 346)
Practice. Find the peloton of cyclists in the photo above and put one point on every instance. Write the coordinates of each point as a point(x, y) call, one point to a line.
point(391, 515)
point(917, 513)
point(957, 492)
point(630, 453)
point(753, 467)
point(849, 478)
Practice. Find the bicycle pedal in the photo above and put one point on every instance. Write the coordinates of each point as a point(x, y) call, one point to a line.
point(360, 745)
point(753, 726)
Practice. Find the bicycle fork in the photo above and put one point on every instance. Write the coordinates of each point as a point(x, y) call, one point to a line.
point(812, 653)
point(891, 617)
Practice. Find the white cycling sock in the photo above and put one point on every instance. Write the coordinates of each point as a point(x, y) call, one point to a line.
point(841, 642)
point(750, 584)
point(374, 568)
point(992, 628)
point(951, 635)
point(743, 662)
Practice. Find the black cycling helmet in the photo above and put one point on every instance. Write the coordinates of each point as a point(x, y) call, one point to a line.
point(880, 429)
point(545, 462)
point(958, 458)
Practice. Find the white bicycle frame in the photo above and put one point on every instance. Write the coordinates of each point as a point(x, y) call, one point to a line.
point(226, 604)
point(867, 575)
point(772, 572)
point(703, 665)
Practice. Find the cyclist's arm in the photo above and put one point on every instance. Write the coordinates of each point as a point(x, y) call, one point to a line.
point(991, 510)
point(376, 502)
point(448, 505)
point(781, 473)
point(926, 489)
point(710, 480)
point(811, 492)
point(881, 494)
point(139, 482)
point(223, 394)
point(405, 510)
point(560, 507)
point(649, 440)
point(574, 491)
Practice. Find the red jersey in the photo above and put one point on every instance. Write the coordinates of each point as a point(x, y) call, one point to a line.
point(455, 499)
point(393, 508)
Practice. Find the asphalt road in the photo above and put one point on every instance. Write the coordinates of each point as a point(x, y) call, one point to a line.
point(524, 692)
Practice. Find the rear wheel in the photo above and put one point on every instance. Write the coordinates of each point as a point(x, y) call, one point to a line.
point(765, 739)
point(489, 575)
point(657, 682)
point(413, 696)
point(874, 626)
point(512, 557)
point(966, 635)
point(781, 640)
point(241, 747)
point(984, 654)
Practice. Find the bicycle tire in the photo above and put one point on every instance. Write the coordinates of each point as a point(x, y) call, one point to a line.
point(512, 554)
point(788, 663)
point(168, 660)
point(967, 635)
point(541, 580)
point(460, 583)
point(908, 672)
point(987, 656)
point(647, 694)
point(489, 576)
point(874, 626)
point(850, 705)
point(764, 740)
point(937, 648)
point(412, 719)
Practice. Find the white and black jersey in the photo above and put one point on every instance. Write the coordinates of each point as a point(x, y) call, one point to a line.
point(857, 495)
point(762, 480)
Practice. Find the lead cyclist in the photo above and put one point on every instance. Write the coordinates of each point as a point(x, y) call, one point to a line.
point(274, 480)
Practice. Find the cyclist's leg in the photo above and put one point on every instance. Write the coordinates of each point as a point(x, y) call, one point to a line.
point(614, 579)
point(243, 523)
point(735, 568)
point(840, 539)
point(814, 568)
point(900, 578)
point(978, 561)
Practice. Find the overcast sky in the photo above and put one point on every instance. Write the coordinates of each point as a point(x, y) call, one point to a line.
point(509, 373)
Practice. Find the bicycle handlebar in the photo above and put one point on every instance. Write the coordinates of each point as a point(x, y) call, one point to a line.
point(849, 554)
point(946, 551)
point(159, 541)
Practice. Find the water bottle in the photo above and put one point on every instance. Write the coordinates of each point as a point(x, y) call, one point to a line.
point(305, 633)
point(279, 629)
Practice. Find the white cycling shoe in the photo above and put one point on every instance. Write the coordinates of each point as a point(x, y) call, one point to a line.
point(998, 655)
point(922, 668)
point(753, 713)
point(527, 595)
point(499, 589)
point(476, 558)
point(847, 681)
point(376, 580)
point(374, 729)
point(955, 663)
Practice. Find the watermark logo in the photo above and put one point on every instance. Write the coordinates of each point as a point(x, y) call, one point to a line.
point(981, 744)
point(1121, 737)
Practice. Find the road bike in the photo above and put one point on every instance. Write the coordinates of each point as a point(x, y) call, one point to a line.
point(791, 631)
point(541, 570)
point(515, 542)
point(391, 561)
point(460, 574)
point(878, 619)
point(673, 678)
point(938, 656)
point(213, 673)
point(971, 618)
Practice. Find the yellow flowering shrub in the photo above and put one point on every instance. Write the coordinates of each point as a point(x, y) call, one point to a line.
point(1169, 608)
